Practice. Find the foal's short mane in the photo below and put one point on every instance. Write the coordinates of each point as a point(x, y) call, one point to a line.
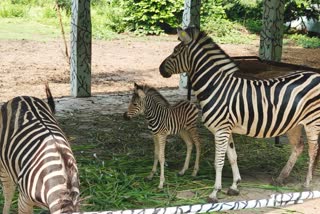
point(150, 91)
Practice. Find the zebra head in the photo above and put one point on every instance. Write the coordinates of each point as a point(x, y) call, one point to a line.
point(178, 61)
point(136, 106)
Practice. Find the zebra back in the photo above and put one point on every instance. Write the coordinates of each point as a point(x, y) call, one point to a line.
point(186, 111)
point(36, 155)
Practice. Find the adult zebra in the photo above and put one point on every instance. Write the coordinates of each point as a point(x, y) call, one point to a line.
point(163, 120)
point(257, 108)
point(36, 156)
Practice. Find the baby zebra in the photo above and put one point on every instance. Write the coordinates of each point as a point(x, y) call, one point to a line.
point(163, 120)
point(36, 156)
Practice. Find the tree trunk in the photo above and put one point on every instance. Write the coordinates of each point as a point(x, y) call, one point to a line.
point(272, 30)
point(80, 67)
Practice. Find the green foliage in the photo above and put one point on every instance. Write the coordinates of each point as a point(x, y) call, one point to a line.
point(65, 5)
point(228, 21)
point(8, 10)
point(294, 9)
point(109, 16)
point(305, 41)
point(153, 16)
point(212, 10)
point(243, 9)
point(253, 25)
point(219, 27)
point(214, 21)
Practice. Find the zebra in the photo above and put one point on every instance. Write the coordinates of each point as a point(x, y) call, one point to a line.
point(163, 120)
point(256, 108)
point(35, 156)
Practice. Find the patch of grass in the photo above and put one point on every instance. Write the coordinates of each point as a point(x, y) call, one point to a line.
point(16, 28)
point(114, 157)
point(305, 41)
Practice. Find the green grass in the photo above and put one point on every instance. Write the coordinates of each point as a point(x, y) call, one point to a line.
point(305, 41)
point(17, 29)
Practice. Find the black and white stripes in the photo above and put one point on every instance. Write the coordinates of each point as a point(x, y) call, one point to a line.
point(163, 120)
point(36, 156)
point(257, 108)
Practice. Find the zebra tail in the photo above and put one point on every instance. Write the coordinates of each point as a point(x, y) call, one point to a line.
point(50, 99)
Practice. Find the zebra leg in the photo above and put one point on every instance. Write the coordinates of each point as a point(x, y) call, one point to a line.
point(155, 158)
point(312, 136)
point(162, 143)
point(186, 138)
point(25, 205)
point(232, 157)
point(8, 187)
point(221, 145)
point(196, 140)
point(294, 136)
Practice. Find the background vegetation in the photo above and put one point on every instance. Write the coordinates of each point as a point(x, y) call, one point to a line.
point(229, 21)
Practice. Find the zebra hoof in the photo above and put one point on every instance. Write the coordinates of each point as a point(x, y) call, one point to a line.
point(212, 200)
point(233, 192)
point(194, 174)
point(149, 178)
point(180, 174)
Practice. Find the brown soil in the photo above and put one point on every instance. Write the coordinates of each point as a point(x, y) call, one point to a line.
point(27, 65)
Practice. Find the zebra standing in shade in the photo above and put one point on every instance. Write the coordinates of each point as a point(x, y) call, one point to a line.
point(163, 120)
point(256, 108)
point(36, 156)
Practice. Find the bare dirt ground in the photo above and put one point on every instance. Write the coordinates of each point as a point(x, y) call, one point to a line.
point(27, 65)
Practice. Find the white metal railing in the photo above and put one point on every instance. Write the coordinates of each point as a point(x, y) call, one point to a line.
point(275, 200)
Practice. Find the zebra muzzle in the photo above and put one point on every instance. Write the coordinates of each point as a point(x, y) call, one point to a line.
point(125, 116)
point(163, 71)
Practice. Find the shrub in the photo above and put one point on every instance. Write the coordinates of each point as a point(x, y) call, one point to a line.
point(110, 15)
point(8, 10)
point(154, 16)
point(244, 9)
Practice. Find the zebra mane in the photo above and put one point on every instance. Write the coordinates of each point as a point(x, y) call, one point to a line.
point(150, 91)
point(202, 37)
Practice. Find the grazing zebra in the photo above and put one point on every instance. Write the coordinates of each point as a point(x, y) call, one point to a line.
point(163, 120)
point(36, 156)
point(256, 108)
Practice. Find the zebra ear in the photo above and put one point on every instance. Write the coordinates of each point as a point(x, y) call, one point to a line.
point(136, 86)
point(184, 36)
point(141, 93)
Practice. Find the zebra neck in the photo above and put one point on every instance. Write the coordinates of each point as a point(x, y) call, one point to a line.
point(206, 56)
point(154, 112)
point(213, 76)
